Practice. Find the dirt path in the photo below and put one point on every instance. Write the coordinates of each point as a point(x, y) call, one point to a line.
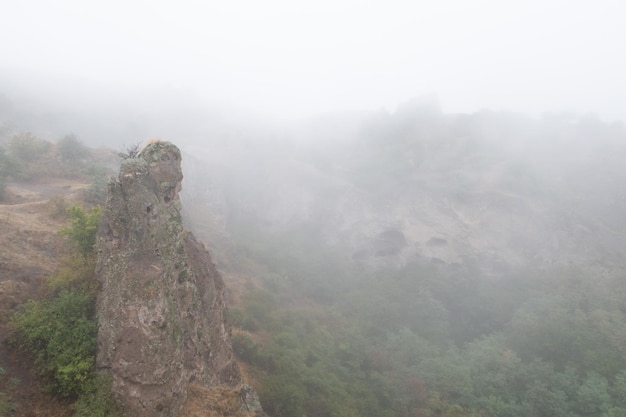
point(27, 192)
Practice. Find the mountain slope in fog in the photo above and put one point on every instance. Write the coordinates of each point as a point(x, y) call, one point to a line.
point(495, 189)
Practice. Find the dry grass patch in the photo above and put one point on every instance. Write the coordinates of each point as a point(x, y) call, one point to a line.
point(217, 401)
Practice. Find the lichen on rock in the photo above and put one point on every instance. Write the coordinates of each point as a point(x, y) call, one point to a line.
point(161, 306)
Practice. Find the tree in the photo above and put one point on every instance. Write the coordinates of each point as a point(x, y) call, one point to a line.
point(71, 150)
point(556, 330)
point(27, 147)
point(592, 397)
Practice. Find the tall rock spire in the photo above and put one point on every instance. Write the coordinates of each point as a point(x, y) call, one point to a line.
point(161, 306)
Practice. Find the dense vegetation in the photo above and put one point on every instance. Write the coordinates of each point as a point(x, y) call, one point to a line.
point(424, 341)
point(328, 336)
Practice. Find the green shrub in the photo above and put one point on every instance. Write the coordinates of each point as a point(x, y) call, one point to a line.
point(243, 320)
point(61, 335)
point(27, 147)
point(57, 207)
point(98, 402)
point(28, 157)
point(283, 396)
point(83, 229)
point(236, 317)
point(76, 274)
point(245, 347)
point(259, 308)
point(71, 150)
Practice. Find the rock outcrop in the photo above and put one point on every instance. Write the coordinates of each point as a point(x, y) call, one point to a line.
point(161, 306)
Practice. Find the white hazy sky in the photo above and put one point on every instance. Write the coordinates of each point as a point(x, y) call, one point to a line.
point(294, 58)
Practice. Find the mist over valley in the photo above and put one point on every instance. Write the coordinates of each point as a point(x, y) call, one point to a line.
point(325, 210)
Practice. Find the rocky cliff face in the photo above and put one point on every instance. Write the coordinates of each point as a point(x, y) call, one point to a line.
point(161, 307)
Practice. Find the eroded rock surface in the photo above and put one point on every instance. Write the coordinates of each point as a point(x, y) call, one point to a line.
point(161, 307)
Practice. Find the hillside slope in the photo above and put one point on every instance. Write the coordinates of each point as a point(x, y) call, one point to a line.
point(30, 250)
point(496, 190)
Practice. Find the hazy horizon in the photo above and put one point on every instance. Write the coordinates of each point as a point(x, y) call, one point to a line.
point(289, 60)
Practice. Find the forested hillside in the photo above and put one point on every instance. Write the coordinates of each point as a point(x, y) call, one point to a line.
point(425, 264)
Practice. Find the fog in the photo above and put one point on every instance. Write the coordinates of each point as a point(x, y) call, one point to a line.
point(282, 60)
point(417, 207)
